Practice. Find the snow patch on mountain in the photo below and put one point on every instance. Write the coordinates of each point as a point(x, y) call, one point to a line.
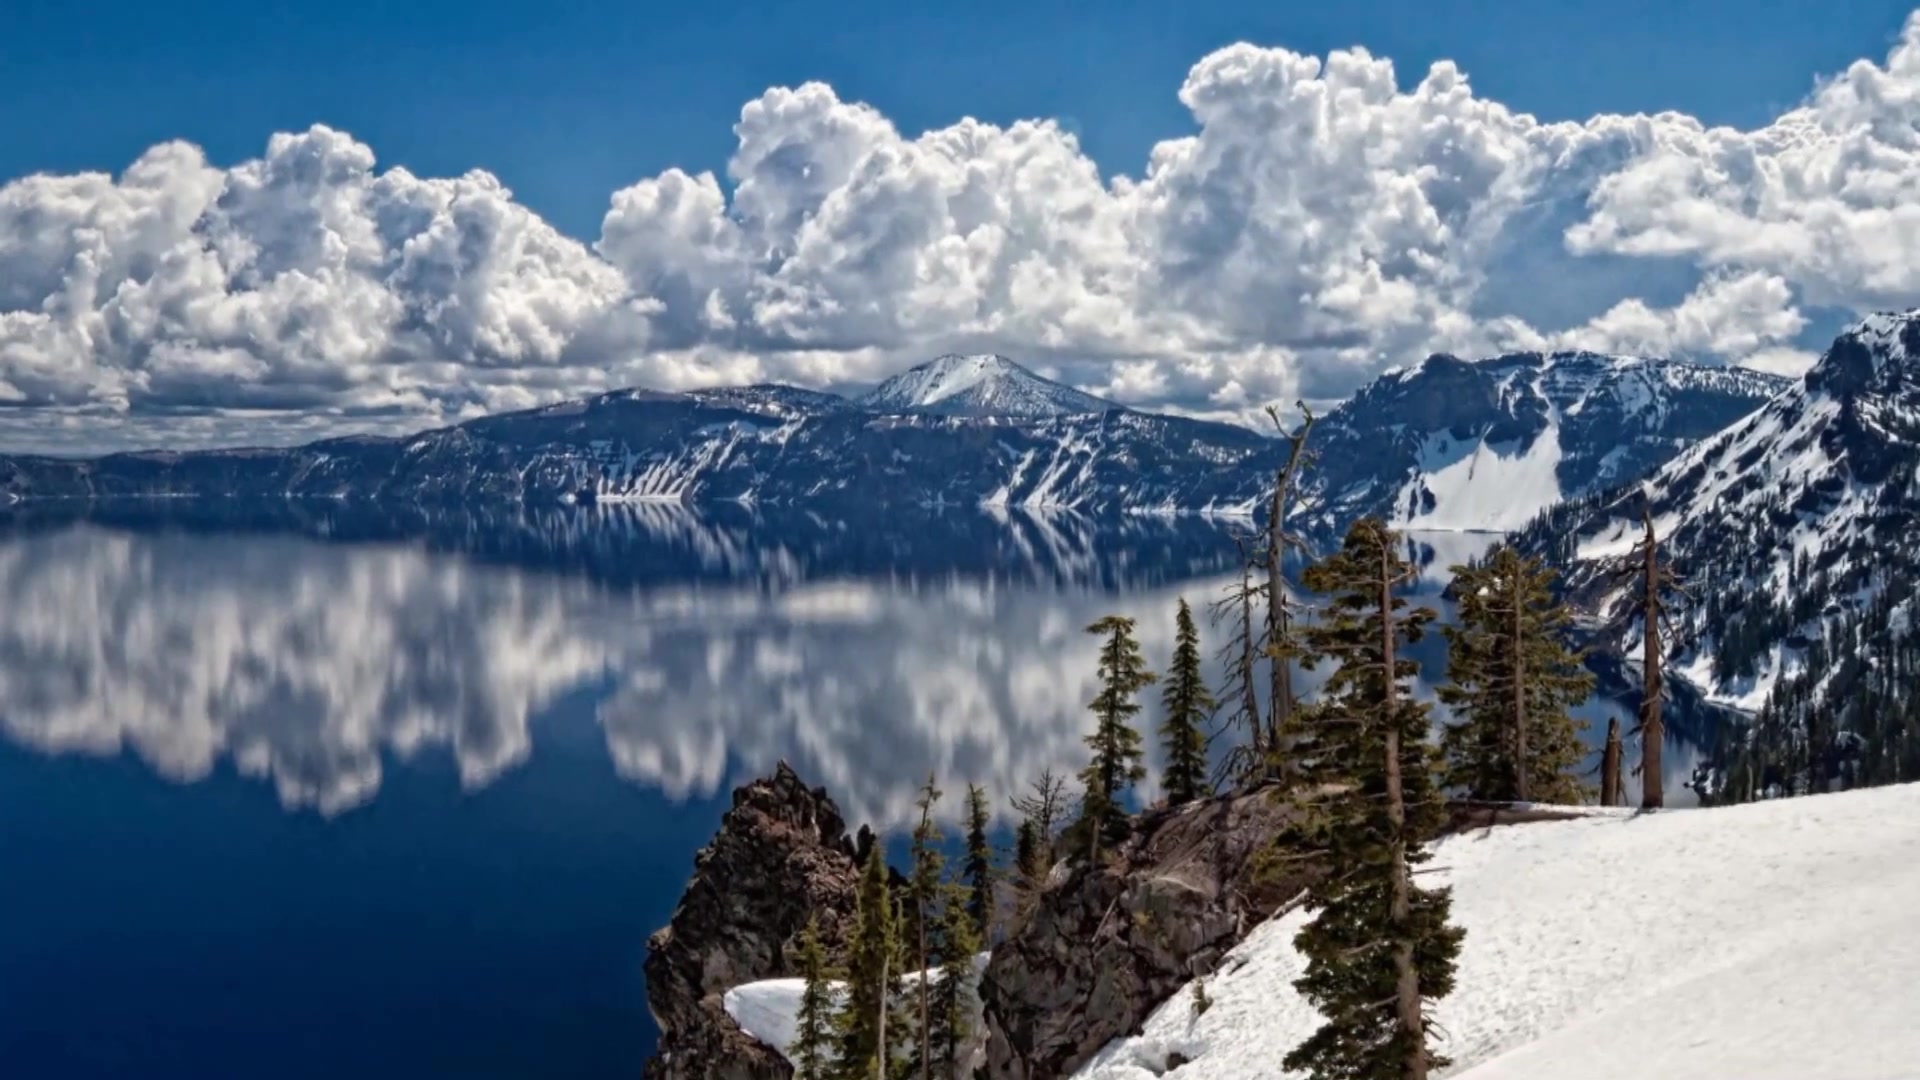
point(978, 386)
point(1480, 486)
point(1666, 945)
point(1489, 444)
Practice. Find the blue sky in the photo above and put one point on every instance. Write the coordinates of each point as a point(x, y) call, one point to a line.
point(568, 101)
point(1311, 220)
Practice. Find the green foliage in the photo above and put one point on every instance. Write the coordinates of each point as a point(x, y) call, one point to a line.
point(1188, 704)
point(872, 954)
point(813, 1035)
point(1028, 869)
point(1116, 764)
point(923, 893)
point(1512, 683)
point(979, 867)
point(954, 1000)
point(1371, 808)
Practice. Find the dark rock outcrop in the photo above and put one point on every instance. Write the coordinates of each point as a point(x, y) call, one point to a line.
point(1104, 946)
point(782, 854)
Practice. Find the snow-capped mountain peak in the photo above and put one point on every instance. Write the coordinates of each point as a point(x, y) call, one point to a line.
point(982, 385)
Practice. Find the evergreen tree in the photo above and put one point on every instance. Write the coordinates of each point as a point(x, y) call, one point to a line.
point(861, 1024)
point(923, 894)
point(1379, 946)
point(954, 1000)
point(979, 862)
point(1115, 743)
point(813, 1024)
point(1512, 683)
point(1028, 871)
point(902, 1037)
point(1187, 705)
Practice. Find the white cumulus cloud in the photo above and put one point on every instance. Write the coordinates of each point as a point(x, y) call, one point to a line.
point(1324, 220)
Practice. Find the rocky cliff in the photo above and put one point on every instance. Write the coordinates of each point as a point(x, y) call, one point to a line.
point(782, 854)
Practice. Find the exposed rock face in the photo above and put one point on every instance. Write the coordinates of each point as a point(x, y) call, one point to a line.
point(782, 854)
point(1104, 947)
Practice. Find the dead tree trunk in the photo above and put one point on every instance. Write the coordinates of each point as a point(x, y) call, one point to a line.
point(1652, 729)
point(1520, 767)
point(1610, 791)
point(1280, 700)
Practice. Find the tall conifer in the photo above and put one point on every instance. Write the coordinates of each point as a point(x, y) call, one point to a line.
point(923, 895)
point(861, 1023)
point(1512, 684)
point(953, 994)
point(1379, 946)
point(979, 862)
point(1187, 705)
point(1116, 764)
point(812, 1051)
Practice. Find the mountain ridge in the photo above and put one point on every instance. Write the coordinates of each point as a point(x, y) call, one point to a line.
point(983, 431)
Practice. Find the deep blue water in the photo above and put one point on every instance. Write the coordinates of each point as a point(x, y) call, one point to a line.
point(303, 791)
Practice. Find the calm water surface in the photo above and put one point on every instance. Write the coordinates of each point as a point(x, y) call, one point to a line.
point(308, 792)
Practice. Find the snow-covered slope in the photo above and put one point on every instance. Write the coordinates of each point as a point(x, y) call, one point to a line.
point(1772, 941)
point(1782, 526)
point(1454, 445)
point(978, 386)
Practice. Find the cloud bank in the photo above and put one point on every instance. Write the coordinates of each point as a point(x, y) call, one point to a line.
point(1323, 222)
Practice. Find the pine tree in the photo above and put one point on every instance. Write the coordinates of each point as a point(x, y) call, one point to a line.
point(1187, 706)
point(1116, 764)
point(1379, 946)
point(813, 1024)
point(1512, 683)
point(954, 997)
point(1027, 869)
point(861, 1024)
point(901, 1040)
point(979, 862)
point(923, 894)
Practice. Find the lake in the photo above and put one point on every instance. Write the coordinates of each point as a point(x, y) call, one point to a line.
point(311, 790)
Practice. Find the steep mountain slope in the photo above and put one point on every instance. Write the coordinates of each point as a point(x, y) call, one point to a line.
point(978, 386)
point(1621, 946)
point(1792, 531)
point(1458, 445)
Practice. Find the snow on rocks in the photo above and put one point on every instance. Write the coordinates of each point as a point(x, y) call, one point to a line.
point(1772, 940)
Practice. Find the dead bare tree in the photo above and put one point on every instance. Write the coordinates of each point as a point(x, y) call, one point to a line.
point(1281, 647)
point(1653, 579)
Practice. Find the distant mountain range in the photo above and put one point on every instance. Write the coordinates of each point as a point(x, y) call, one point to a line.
point(1450, 444)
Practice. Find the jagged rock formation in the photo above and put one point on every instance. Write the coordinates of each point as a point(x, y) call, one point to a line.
point(782, 853)
point(1106, 945)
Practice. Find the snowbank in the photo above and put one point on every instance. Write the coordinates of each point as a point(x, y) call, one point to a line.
point(1776, 941)
point(768, 1010)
